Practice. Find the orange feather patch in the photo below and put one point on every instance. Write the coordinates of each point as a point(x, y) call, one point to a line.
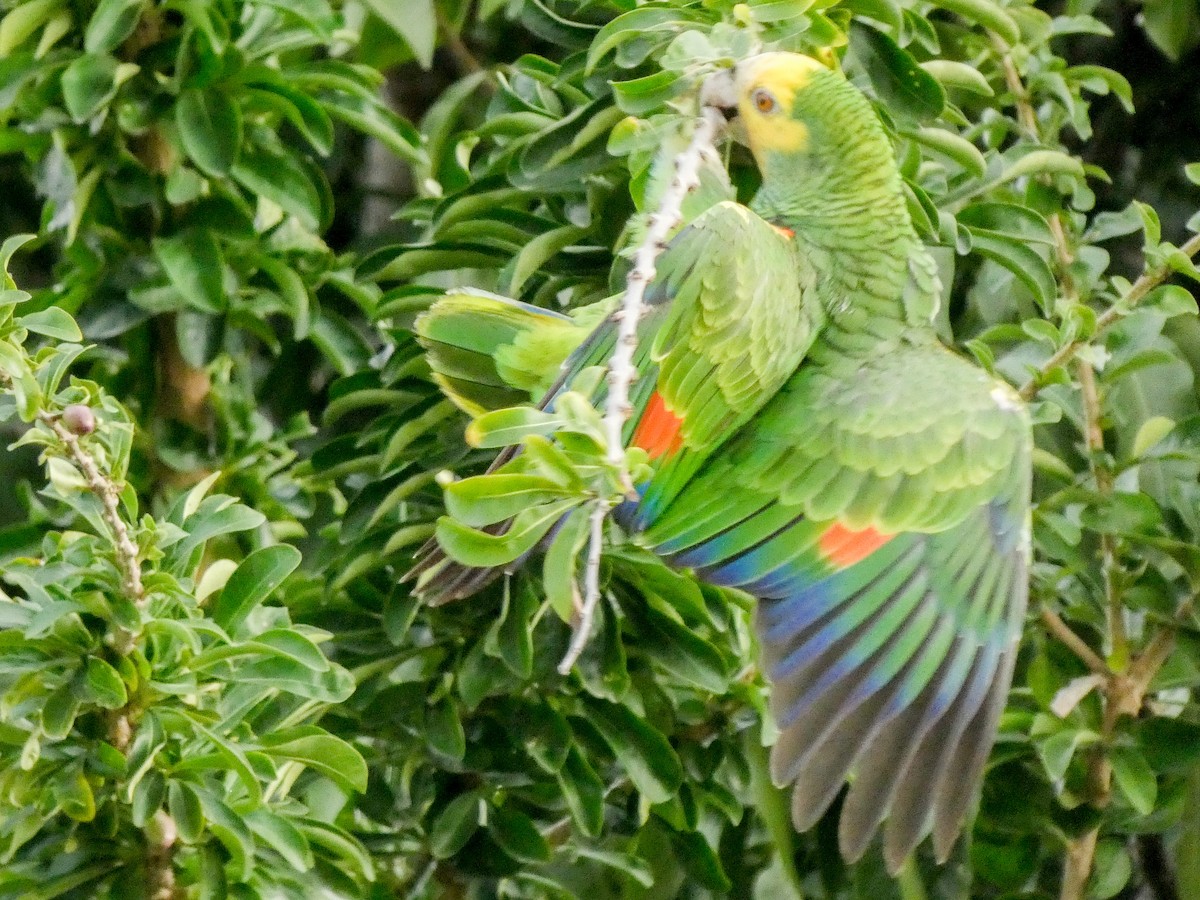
point(658, 431)
point(844, 547)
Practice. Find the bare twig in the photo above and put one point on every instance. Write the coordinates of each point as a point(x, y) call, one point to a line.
point(621, 371)
point(591, 579)
point(1061, 630)
point(466, 61)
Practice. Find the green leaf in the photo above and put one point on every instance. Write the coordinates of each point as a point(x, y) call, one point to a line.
point(583, 791)
point(561, 563)
point(682, 652)
point(537, 252)
point(300, 109)
point(281, 836)
point(183, 803)
point(642, 751)
point(1057, 749)
point(90, 82)
point(1025, 263)
point(284, 180)
point(511, 638)
point(1009, 219)
point(701, 861)
point(953, 74)
point(1171, 300)
point(488, 499)
point(953, 147)
point(58, 715)
point(73, 793)
point(293, 291)
point(21, 21)
point(338, 842)
point(104, 686)
point(1111, 871)
point(475, 548)
point(258, 575)
point(230, 829)
point(7, 249)
point(416, 23)
point(901, 84)
point(321, 752)
point(210, 128)
point(215, 516)
point(444, 729)
point(455, 824)
point(518, 836)
point(640, 96)
point(111, 23)
point(370, 117)
point(1038, 162)
point(1102, 80)
point(503, 427)
point(633, 26)
point(1135, 779)
point(52, 322)
point(1151, 432)
point(295, 646)
point(195, 267)
point(987, 14)
point(1172, 25)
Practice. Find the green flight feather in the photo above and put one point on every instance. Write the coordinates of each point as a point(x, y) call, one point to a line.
point(489, 352)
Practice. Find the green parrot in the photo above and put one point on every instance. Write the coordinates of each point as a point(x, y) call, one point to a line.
point(813, 444)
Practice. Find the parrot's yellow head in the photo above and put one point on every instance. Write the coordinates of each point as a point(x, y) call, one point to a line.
point(767, 88)
point(813, 134)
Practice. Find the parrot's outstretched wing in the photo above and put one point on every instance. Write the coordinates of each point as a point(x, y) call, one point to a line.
point(728, 319)
point(881, 522)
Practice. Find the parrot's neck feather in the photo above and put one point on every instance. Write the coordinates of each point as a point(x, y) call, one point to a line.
point(843, 198)
point(865, 251)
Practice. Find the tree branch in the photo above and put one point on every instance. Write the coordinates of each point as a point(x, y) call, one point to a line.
point(110, 496)
point(621, 370)
point(1061, 630)
point(1148, 281)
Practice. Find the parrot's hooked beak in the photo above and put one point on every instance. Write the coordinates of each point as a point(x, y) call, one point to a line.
point(719, 91)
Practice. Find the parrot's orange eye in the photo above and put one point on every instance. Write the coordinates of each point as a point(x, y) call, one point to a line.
point(763, 101)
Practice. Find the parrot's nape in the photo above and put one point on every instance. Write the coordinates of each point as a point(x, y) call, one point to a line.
point(813, 444)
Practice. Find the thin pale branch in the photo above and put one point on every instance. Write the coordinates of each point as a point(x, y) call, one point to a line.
point(586, 613)
point(621, 371)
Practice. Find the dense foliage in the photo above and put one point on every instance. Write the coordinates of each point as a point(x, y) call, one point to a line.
point(225, 449)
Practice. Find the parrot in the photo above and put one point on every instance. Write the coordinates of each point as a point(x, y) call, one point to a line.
point(813, 443)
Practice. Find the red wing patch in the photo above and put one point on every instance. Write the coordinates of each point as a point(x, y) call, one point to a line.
point(844, 547)
point(658, 431)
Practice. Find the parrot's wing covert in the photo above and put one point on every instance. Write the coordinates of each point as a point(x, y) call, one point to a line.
point(891, 568)
point(726, 323)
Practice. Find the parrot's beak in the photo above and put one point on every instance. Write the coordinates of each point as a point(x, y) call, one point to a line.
point(719, 91)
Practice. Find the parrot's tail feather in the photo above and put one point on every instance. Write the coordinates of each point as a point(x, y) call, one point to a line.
point(440, 580)
point(488, 352)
